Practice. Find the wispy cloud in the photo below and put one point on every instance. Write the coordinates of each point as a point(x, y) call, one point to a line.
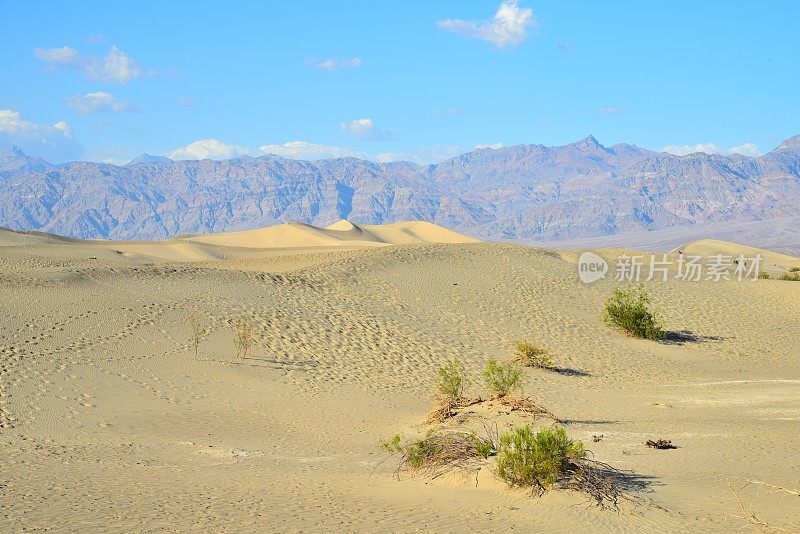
point(746, 149)
point(219, 150)
point(115, 67)
point(365, 129)
point(331, 64)
point(54, 143)
point(185, 101)
point(310, 151)
point(509, 27)
point(421, 155)
point(98, 102)
point(57, 57)
point(306, 150)
point(605, 110)
point(449, 112)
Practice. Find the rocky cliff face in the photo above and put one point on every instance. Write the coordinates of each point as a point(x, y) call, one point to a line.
point(524, 192)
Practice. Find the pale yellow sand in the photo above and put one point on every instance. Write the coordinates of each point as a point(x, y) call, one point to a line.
point(110, 423)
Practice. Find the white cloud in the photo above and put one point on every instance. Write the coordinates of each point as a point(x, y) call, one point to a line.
point(209, 149)
point(494, 146)
point(57, 57)
point(115, 67)
point(746, 149)
point(331, 64)
point(306, 150)
point(365, 129)
point(310, 151)
point(54, 143)
point(97, 103)
point(508, 27)
point(605, 110)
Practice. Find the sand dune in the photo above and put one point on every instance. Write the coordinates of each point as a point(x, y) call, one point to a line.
point(771, 261)
point(110, 422)
point(298, 237)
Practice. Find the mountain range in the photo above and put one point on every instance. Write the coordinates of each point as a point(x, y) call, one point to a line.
point(523, 193)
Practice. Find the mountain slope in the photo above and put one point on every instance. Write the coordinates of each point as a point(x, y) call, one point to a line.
point(524, 192)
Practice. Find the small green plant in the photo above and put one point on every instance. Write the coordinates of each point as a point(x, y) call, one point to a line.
point(244, 336)
point(529, 355)
point(391, 445)
point(197, 331)
point(794, 270)
point(630, 310)
point(536, 459)
point(502, 377)
point(483, 447)
point(764, 275)
point(790, 277)
point(451, 380)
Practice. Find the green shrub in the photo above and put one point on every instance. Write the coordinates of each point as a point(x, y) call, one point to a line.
point(794, 270)
point(790, 277)
point(502, 377)
point(764, 275)
point(539, 459)
point(451, 380)
point(629, 309)
point(391, 445)
point(529, 355)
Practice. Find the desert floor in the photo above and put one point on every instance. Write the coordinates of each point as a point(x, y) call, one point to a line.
point(109, 422)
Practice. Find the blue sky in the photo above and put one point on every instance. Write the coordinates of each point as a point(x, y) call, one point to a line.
point(421, 81)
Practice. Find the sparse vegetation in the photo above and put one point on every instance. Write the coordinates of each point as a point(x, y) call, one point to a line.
point(529, 355)
point(197, 331)
point(244, 336)
point(790, 277)
point(502, 377)
point(794, 269)
point(630, 310)
point(439, 450)
point(451, 381)
point(536, 459)
point(764, 275)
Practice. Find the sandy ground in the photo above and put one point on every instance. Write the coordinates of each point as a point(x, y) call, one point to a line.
point(109, 422)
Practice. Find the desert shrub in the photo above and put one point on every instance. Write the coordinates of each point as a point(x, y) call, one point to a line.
point(630, 310)
point(764, 275)
point(794, 270)
point(244, 336)
point(502, 377)
point(197, 331)
point(439, 450)
point(451, 380)
point(529, 355)
point(790, 277)
point(536, 459)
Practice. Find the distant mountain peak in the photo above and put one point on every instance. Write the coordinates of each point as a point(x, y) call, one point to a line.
point(147, 158)
point(588, 142)
point(790, 144)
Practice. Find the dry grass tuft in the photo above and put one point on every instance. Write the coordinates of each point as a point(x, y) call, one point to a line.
point(529, 355)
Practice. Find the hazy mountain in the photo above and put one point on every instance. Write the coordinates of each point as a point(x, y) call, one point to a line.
point(147, 158)
point(524, 192)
